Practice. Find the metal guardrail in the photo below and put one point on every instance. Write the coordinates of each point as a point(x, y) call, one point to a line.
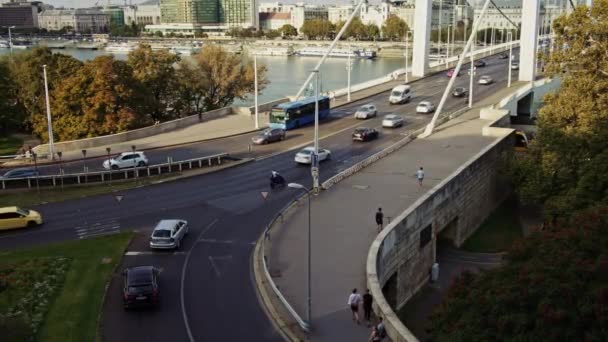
point(303, 324)
point(112, 175)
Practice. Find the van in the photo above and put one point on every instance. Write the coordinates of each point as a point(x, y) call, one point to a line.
point(400, 94)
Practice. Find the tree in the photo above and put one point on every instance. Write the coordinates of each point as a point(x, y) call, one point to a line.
point(272, 34)
point(226, 76)
point(98, 99)
point(27, 77)
point(566, 164)
point(11, 116)
point(552, 287)
point(394, 28)
point(317, 28)
point(372, 31)
point(355, 30)
point(155, 74)
point(288, 31)
point(191, 89)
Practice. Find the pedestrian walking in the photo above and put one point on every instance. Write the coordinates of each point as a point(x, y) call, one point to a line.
point(379, 219)
point(420, 176)
point(368, 299)
point(381, 329)
point(353, 302)
point(375, 336)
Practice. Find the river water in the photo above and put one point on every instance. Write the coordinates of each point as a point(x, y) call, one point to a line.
point(287, 74)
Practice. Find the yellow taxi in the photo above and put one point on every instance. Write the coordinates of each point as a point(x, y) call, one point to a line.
point(15, 217)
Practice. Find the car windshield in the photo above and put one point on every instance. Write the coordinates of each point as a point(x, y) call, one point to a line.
point(267, 132)
point(396, 93)
point(140, 289)
point(459, 89)
point(391, 117)
point(360, 130)
point(161, 233)
point(364, 109)
point(423, 104)
point(23, 212)
point(306, 152)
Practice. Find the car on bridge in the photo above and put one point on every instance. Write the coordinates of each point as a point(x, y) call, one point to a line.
point(23, 172)
point(269, 135)
point(126, 159)
point(480, 63)
point(503, 56)
point(140, 287)
point(485, 79)
point(460, 92)
point(168, 234)
point(514, 65)
point(15, 217)
point(392, 121)
point(425, 107)
point(451, 72)
point(366, 111)
point(365, 134)
point(305, 155)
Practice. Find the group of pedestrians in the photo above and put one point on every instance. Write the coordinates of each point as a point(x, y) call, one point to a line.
point(380, 214)
point(354, 301)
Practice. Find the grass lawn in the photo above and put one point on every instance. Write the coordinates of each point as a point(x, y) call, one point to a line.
point(498, 232)
point(9, 145)
point(59, 286)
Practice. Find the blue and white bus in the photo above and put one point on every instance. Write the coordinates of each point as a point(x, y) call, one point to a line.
point(298, 113)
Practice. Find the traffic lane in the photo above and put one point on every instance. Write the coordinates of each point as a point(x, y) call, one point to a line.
point(166, 322)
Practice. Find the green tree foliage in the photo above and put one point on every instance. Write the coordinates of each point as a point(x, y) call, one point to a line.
point(97, 99)
point(318, 28)
point(372, 31)
point(567, 163)
point(288, 31)
point(226, 76)
point(11, 116)
point(155, 74)
point(27, 77)
point(272, 34)
point(132, 30)
point(191, 89)
point(394, 28)
point(553, 287)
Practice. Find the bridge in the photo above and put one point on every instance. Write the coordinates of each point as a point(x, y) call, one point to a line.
point(208, 287)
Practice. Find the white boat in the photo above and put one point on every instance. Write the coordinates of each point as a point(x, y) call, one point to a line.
point(273, 51)
point(184, 50)
point(4, 45)
point(120, 48)
point(356, 53)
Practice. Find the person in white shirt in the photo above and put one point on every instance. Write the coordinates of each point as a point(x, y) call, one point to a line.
point(420, 176)
point(353, 302)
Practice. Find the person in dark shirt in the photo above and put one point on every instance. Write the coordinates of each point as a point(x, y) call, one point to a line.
point(368, 299)
point(379, 219)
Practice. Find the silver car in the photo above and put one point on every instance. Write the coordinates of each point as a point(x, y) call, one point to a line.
point(365, 112)
point(168, 234)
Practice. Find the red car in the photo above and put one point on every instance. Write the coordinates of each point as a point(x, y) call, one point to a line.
point(451, 72)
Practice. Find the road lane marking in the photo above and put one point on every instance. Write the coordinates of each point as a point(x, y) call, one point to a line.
point(214, 265)
point(228, 242)
point(88, 236)
point(181, 290)
point(136, 253)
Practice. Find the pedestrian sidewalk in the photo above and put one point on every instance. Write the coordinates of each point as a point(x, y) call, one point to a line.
point(343, 225)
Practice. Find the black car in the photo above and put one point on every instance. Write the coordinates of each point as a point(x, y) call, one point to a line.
point(269, 135)
point(480, 63)
point(140, 286)
point(365, 134)
point(21, 173)
point(459, 92)
point(503, 56)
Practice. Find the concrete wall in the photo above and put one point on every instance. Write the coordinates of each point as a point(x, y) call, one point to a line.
point(539, 89)
point(399, 262)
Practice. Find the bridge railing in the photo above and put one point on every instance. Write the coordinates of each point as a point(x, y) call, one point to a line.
point(112, 175)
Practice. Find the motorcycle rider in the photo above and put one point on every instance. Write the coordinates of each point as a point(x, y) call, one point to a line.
point(276, 179)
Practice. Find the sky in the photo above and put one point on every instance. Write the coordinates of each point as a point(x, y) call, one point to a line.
point(89, 3)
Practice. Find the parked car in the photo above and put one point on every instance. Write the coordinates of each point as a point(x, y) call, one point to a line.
point(460, 92)
point(364, 134)
point(126, 159)
point(425, 107)
point(366, 111)
point(451, 72)
point(305, 155)
point(140, 286)
point(480, 63)
point(21, 173)
point(168, 234)
point(392, 121)
point(485, 79)
point(15, 217)
point(269, 135)
point(401, 94)
point(514, 65)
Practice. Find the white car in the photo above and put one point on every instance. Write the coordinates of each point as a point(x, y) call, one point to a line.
point(514, 65)
point(168, 234)
point(126, 159)
point(425, 107)
point(392, 121)
point(485, 79)
point(367, 111)
point(305, 155)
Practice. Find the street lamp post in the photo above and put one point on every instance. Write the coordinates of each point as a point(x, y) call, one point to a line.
point(349, 68)
point(255, 90)
point(109, 165)
point(308, 278)
point(510, 39)
point(314, 167)
point(472, 72)
point(407, 53)
point(447, 49)
point(48, 115)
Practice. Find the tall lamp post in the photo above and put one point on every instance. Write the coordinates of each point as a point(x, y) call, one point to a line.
point(48, 115)
point(447, 49)
point(108, 149)
point(407, 53)
point(309, 293)
point(314, 166)
point(255, 90)
point(472, 72)
point(510, 39)
point(349, 68)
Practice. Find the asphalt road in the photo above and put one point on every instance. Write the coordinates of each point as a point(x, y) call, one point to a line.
point(207, 292)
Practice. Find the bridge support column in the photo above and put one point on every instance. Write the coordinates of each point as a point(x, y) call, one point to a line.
point(528, 40)
point(422, 37)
